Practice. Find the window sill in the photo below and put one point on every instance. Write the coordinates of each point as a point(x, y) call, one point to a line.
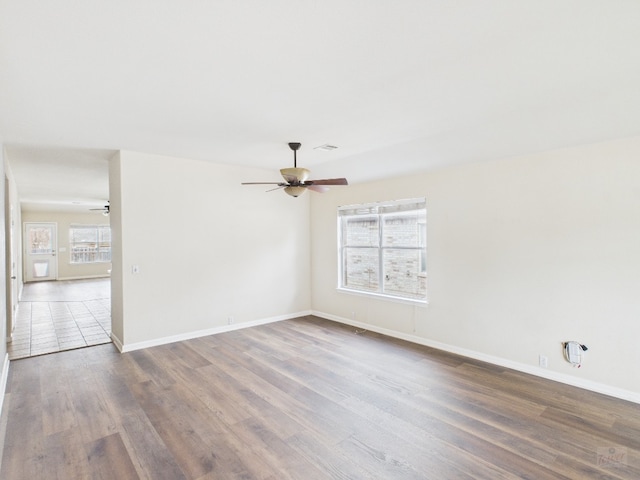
point(380, 296)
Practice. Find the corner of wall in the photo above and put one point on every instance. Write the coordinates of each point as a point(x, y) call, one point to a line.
point(117, 342)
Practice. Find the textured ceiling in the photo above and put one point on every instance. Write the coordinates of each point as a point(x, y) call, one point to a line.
point(399, 87)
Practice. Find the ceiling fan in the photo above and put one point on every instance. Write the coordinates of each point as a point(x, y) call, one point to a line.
point(295, 179)
point(104, 210)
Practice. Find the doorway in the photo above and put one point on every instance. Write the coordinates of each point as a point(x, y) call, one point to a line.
point(62, 186)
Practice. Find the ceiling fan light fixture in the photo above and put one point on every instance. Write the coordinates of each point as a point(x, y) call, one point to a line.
point(294, 191)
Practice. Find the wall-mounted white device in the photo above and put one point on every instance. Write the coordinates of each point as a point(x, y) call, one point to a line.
point(573, 352)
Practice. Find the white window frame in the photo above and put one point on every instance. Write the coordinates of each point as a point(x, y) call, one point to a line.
point(382, 245)
point(93, 252)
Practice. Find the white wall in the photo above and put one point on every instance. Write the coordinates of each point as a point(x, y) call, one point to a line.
point(523, 254)
point(4, 358)
point(207, 247)
point(3, 313)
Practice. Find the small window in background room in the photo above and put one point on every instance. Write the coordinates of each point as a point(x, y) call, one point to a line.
point(383, 249)
point(90, 243)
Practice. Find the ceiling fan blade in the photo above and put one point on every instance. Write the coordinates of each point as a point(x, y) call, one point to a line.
point(263, 183)
point(280, 185)
point(327, 181)
point(318, 188)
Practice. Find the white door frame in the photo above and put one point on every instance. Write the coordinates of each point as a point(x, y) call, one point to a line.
point(10, 261)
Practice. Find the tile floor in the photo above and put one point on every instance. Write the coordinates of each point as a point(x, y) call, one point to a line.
point(62, 315)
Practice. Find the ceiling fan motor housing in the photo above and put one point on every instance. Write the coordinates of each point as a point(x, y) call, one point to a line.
point(294, 175)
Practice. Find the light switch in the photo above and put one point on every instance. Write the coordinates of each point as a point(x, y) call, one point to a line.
point(135, 268)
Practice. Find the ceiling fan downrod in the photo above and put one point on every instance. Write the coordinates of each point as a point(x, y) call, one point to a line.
point(295, 146)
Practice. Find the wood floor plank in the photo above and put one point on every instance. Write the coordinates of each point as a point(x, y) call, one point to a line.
point(304, 399)
point(427, 450)
point(92, 412)
point(170, 418)
point(276, 454)
point(64, 456)
point(151, 457)
point(58, 414)
point(108, 458)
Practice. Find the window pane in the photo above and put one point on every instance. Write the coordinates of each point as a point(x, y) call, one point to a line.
point(360, 269)
point(104, 234)
point(83, 254)
point(40, 240)
point(403, 230)
point(403, 273)
point(84, 235)
point(360, 231)
point(382, 248)
point(104, 254)
point(90, 243)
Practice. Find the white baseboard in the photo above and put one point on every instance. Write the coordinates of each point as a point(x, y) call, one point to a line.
point(521, 367)
point(201, 333)
point(3, 380)
point(84, 277)
point(117, 342)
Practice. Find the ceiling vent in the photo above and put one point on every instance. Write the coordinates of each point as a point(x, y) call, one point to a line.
point(326, 147)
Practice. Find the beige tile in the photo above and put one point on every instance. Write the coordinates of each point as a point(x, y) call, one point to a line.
point(69, 345)
point(89, 338)
point(92, 331)
point(19, 343)
point(48, 340)
point(43, 351)
point(51, 315)
point(19, 354)
point(70, 334)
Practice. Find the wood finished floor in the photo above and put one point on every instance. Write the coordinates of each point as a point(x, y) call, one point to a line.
point(304, 399)
point(61, 315)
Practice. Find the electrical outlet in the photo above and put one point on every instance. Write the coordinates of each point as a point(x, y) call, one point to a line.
point(229, 320)
point(543, 361)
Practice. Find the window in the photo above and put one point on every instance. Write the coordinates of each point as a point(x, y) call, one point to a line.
point(383, 249)
point(90, 243)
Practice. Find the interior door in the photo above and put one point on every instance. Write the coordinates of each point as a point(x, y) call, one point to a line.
point(40, 252)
